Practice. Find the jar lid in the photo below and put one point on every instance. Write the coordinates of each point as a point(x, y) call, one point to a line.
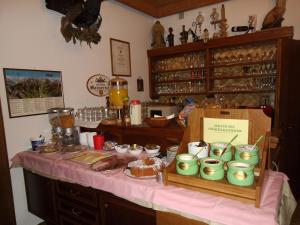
point(118, 81)
point(135, 101)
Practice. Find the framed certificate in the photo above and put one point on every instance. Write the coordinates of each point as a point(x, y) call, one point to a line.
point(120, 58)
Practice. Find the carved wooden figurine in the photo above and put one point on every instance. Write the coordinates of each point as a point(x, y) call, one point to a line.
point(158, 31)
point(274, 18)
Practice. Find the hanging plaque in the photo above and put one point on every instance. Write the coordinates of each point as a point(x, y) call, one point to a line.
point(98, 85)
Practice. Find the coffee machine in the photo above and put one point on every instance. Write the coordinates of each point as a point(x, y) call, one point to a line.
point(63, 131)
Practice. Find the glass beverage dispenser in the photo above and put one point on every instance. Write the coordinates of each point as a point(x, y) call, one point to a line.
point(118, 90)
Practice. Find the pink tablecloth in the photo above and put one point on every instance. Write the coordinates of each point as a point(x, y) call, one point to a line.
point(156, 195)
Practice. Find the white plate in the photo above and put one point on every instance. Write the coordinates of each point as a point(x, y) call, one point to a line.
point(128, 173)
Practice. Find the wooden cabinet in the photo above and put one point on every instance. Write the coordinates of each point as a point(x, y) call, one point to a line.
point(40, 192)
point(76, 204)
point(241, 71)
point(117, 211)
point(65, 203)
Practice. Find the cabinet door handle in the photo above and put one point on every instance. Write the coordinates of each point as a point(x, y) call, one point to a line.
point(76, 212)
point(74, 193)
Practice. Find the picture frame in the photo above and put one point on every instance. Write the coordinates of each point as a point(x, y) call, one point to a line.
point(32, 92)
point(120, 57)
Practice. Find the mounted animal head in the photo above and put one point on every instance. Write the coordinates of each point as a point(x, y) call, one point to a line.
point(81, 21)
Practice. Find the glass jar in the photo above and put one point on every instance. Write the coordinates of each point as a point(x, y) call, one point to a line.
point(118, 89)
point(66, 116)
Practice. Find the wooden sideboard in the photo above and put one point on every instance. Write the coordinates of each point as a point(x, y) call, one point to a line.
point(141, 135)
point(62, 203)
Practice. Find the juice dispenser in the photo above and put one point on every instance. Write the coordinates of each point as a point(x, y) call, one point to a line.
point(118, 90)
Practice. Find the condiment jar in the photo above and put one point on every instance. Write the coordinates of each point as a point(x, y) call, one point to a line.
point(135, 112)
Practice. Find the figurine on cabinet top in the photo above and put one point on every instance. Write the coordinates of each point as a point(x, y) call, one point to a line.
point(184, 35)
point(158, 31)
point(205, 35)
point(170, 37)
point(274, 18)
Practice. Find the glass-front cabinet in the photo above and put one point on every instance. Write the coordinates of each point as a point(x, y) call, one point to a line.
point(243, 68)
point(181, 74)
point(239, 71)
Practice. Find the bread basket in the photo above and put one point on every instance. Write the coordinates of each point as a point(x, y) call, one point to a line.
point(157, 121)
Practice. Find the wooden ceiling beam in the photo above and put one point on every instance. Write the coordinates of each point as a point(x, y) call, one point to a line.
point(181, 6)
point(164, 8)
point(143, 6)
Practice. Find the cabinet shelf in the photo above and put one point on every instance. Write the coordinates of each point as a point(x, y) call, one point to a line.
point(243, 91)
point(245, 63)
point(178, 70)
point(180, 80)
point(243, 76)
point(182, 93)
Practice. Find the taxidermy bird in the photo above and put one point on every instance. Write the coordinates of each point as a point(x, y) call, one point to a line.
point(274, 17)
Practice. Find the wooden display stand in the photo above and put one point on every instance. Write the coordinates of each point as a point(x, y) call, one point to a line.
point(259, 124)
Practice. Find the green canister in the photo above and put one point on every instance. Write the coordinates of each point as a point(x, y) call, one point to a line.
point(216, 149)
point(187, 164)
point(239, 173)
point(247, 154)
point(212, 169)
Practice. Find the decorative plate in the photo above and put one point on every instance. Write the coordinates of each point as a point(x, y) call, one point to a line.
point(98, 85)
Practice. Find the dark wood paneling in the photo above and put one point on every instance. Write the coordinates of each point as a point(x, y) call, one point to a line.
point(7, 213)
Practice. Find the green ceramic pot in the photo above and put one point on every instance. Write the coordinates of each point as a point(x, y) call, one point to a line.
point(247, 154)
point(239, 173)
point(217, 148)
point(187, 164)
point(212, 169)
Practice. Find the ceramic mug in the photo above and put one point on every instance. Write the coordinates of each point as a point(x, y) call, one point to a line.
point(217, 148)
point(247, 154)
point(212, 169)
point(239, 173)
point(187, 164)
point(36, 142)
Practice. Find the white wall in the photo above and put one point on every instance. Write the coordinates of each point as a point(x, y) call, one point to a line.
point(30, 38)
point(237, 12)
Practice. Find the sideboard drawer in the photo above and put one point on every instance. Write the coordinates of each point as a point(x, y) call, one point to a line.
point(78, 193)
point(79, 214)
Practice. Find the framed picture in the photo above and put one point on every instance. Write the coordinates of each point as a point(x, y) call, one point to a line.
point(120, 58)
point(32, 92)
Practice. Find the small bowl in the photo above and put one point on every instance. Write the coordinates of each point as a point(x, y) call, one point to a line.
point(201, 152)
point(247, 154)
point(122, 148)
point(135, 149)
point(157, 121)
point(212, 169)
point(240, 173)
point(217, 149)
point(186, 164)
point(152, 149)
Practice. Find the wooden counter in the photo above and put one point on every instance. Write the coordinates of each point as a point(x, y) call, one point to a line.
point(141, 135)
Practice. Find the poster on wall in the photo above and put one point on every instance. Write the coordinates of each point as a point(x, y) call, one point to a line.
point(120, 57)
point(32, 92)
